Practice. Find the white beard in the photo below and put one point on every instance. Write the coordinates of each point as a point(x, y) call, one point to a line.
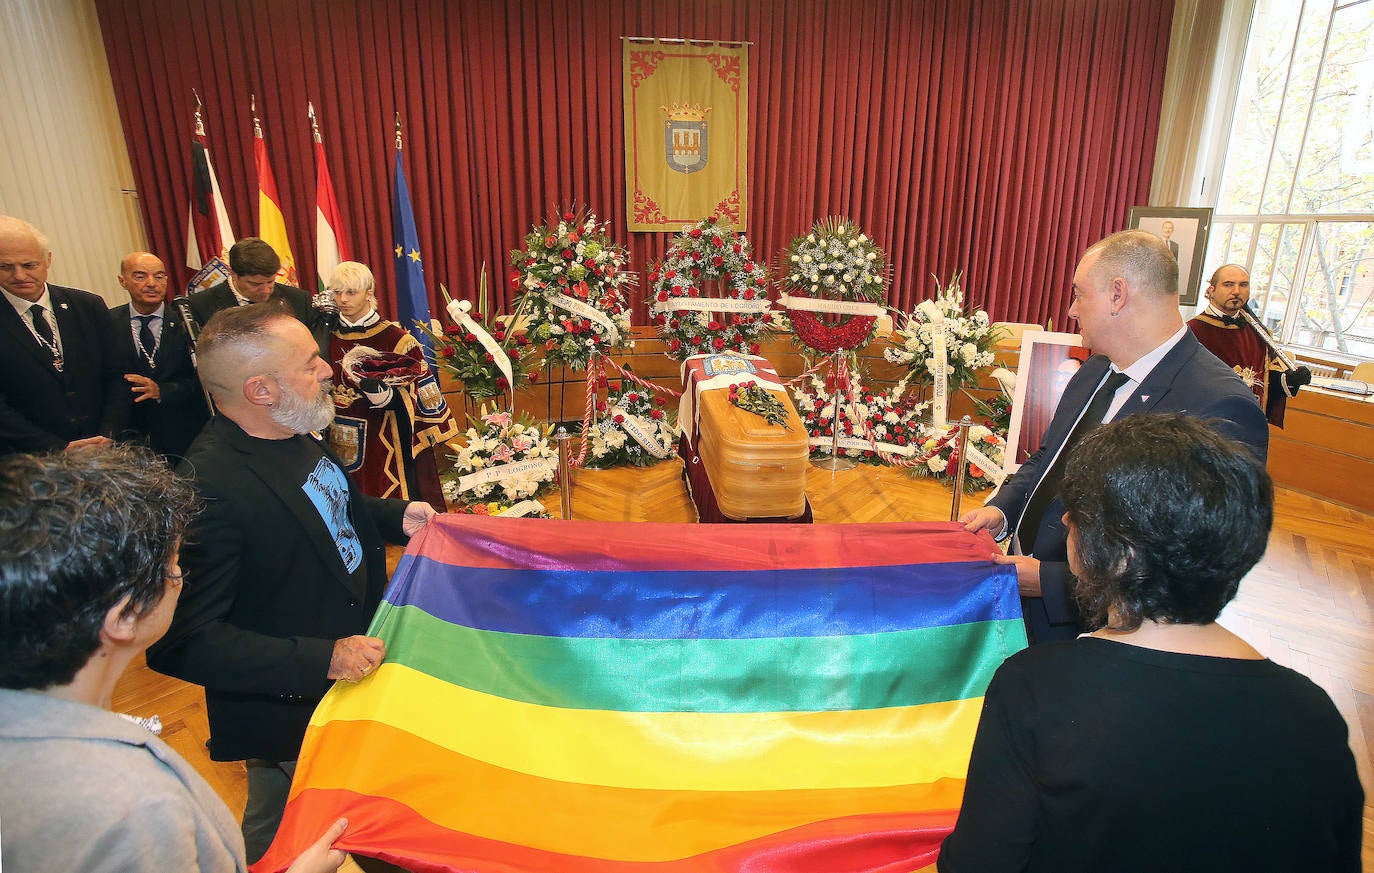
point(300, 415)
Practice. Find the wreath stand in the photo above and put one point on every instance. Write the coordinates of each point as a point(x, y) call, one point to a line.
point(839, 372)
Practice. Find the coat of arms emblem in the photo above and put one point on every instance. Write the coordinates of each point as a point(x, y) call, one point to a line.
point(685, 137)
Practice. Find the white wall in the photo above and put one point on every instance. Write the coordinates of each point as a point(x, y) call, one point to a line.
point(63, 162)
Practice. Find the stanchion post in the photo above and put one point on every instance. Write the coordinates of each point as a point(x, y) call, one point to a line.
point(961, 444)
point(835, 463)
point(565, 485)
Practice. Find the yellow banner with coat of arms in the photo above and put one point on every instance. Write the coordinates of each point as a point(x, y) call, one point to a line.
point(686, 133)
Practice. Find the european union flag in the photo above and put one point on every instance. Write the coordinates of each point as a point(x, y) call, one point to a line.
point(412, 297)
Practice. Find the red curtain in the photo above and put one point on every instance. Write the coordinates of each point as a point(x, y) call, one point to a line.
point(996, 137)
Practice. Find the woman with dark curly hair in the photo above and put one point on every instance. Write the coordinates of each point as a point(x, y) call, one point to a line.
point(88, 580)
point(1161, 741)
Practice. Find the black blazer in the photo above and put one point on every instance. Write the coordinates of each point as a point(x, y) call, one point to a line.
point(266, 595)
point(207, 301)
point(1188, 379)
point(42, 410)
point(170, 423)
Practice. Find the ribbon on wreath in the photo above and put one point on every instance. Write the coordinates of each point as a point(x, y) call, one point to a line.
point(991, 469)
point(710, 304)
point(836, 307)
point(589, 312)
point(458, 310)
point(939, 373)
point(506, 471)
point(634, 425)
point(521, 509)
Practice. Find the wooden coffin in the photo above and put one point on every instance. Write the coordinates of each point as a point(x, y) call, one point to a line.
point(757, 469)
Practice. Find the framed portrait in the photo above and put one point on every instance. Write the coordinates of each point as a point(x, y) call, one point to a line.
point(1048, 361)
point(1184, 230)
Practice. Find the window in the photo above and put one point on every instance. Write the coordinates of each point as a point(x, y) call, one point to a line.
point(1296, 201)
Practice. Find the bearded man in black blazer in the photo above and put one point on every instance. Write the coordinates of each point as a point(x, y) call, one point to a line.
point(154, 351)
point(253, 268)
point(285, 566)
point(1145, 360)
point(60, 386)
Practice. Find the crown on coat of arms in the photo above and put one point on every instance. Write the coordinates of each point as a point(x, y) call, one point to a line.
point(685, 111)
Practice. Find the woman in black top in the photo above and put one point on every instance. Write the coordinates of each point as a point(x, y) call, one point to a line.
point(1162, 741)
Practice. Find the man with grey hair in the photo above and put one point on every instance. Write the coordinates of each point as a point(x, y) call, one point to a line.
point(285, 566)
point(1125, 298)
point(60, 385)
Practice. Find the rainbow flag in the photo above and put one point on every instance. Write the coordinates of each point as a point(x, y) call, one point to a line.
point(593, 696)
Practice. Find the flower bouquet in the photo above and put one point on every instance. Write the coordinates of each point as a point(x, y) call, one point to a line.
point(751, 398)
point(939, 456)
point(967, 340)
point(888, 419)
point(633, 427)
point(572, 277)
point(505, 459)
point(827, 276)
point(469, 349)
point(528, 508)
point(690, 321)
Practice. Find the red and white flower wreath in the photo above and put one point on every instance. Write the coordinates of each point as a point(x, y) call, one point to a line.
point(836, 270)
point(692, 323)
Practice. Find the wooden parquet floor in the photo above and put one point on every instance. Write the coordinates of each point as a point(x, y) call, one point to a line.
point(1306, 605)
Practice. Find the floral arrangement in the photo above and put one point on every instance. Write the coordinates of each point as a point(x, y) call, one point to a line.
point(835, 261)
point(496, 439)
point(706, 252)
point(968, 339)
point(996, 412)
point(459, 350)
point(572, 279)
point(629, 410)
point(890, 417)
point(939, 456)
point(751, 398)
point(498, 508)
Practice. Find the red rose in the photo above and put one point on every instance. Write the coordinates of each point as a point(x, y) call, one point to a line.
point(633, 397)
point(513, 354)
point(490, 357)
point(568, 254)
point(696, 274)
point(696, 256)
point(453, 330)
point(653, 277)
point(589, 264)
point(534, 377)
point(753, 348)
point(477, 316)
point(748, 294)
point(695, 233)
point(619, 419)
point(718, 242)
point(739, 249)
point(447, 352)
point(694, 291)
point(675, 344)
point(717, 260)
point(675, 324)
point(718, 343)
point(662, 296)
point(529, 262)
point(656, 414)
point(658, 401)
point(600, 406)
point(671, 274)
point(713, 325)
point(501, 383)
point(748, 266)
point(470, 337)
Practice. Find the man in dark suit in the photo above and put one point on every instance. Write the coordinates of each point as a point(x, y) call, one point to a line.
point(285, 566)
point(1167, 231)
point(155, 354)
point(253, 269)
point(1145, 360)
point(60, 386)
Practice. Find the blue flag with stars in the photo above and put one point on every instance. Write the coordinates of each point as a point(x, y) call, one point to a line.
point(412, 297)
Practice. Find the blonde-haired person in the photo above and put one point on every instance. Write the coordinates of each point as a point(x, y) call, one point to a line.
point(389, 412)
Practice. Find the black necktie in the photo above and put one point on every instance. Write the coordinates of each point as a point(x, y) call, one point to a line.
point(145, 336)
point(1048, 489)
point(41, 327)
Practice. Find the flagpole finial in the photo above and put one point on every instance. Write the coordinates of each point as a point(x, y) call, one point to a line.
point(200, 120)
point(253, 107)
point(398, 132)
point(314, 124)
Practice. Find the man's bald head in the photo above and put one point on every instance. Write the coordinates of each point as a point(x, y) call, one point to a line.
point(1141, 258)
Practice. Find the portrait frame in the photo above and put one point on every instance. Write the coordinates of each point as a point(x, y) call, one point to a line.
point(1037, 390)
point(1191, 225)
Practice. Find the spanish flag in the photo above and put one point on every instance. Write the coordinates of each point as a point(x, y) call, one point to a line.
point(613, 697)
point(271, 222)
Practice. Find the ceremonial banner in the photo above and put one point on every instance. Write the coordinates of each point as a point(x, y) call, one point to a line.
point(208, 234)
point(412, 295)
point(271, 222)
point(594, 697)
point(331, 247)
point(686, 133)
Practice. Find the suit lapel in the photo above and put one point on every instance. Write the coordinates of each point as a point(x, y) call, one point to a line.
point(1160, 381)
point(20, 334)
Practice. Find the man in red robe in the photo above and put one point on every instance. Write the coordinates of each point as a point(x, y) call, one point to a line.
point(1226, 334)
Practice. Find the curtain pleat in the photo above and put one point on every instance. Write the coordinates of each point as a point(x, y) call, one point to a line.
point(996, 137)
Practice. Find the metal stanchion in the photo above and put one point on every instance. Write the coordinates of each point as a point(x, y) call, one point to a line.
point(565, 485)
point(835, 463)
point(961, 444)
